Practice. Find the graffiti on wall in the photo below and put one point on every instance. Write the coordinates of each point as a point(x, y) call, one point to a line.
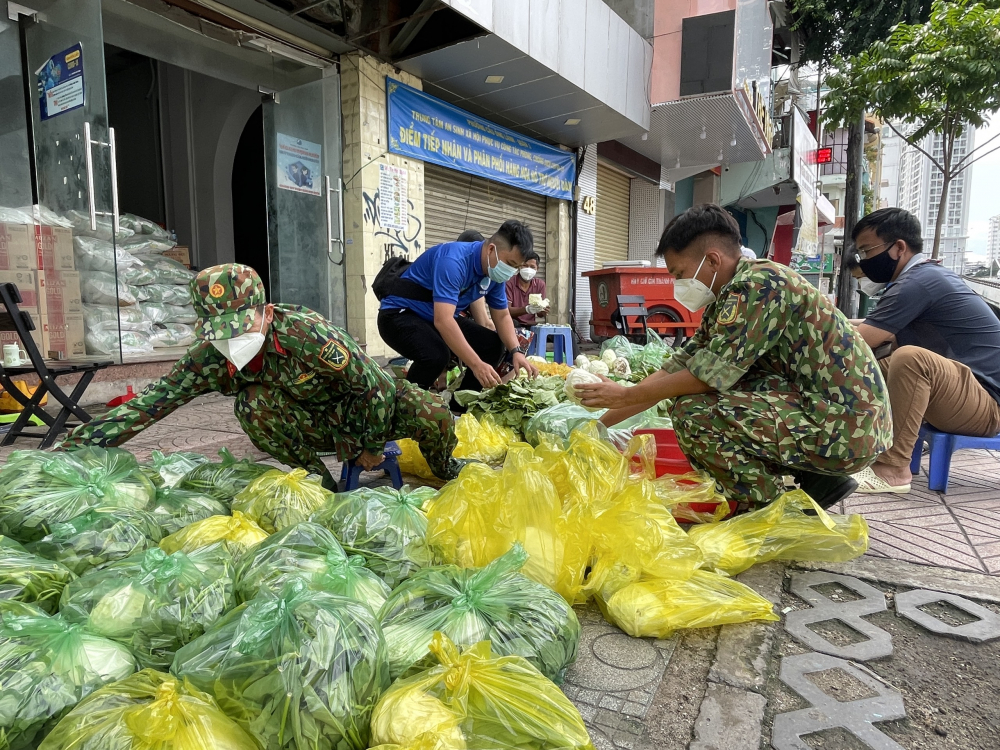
point(403, 243)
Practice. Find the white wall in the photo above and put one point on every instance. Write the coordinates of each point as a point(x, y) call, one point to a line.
point(586, 235)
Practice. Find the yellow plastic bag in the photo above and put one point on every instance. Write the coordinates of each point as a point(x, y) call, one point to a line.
point(148, 711)
point(279, 499)
point(655, 608)
point(9, 404)
point(781, 531)
point(691, 497)
point(412, 461)
point(464, 527)
point(482, 440)
point(237, 531)
point(473, 701)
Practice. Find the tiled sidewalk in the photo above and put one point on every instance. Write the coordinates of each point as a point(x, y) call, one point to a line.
point(957, 530)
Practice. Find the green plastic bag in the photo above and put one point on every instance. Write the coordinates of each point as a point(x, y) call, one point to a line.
point(97, 537)
point(148, 711)
point(173, 467)
point(25, 577)
point(560, 420)
point(39, 489)
point(387, 527)
point(469, 605)
point(153, 602)
point(176, 508)
point(477, 701)
point(14, 608)
point(309, 552)
point(224, 479)
point(302, 670)
point(649, 358)
point(279, 499)
point(47, 666)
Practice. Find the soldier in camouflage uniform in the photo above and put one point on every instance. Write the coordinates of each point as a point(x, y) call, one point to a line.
point(775, 382)
point(306, 389)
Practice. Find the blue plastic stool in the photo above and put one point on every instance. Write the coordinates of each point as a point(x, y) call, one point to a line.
point(562, 343)
point(390, 464)
point(941, 445)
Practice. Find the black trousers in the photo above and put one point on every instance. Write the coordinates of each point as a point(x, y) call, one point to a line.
point(418, 340)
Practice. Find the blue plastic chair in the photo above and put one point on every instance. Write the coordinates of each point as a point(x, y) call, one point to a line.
point(941, 445)
point(562, 343)
point(390, 464)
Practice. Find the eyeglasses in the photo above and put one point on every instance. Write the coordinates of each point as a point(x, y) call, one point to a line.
point(864, 252)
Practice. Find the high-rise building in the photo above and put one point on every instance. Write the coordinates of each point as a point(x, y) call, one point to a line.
point(993, 241)
point(918, 190)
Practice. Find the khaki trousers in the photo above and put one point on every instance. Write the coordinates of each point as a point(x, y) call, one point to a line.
point(926, 387)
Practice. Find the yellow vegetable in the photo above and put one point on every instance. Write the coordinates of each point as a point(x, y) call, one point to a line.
point(237, 531)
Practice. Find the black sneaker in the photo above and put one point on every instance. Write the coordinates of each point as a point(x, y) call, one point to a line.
point(825, 489)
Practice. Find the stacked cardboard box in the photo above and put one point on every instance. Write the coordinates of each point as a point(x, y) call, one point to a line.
point(18, 261)
point(59, 293)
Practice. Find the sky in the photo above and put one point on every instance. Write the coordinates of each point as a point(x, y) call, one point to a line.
point(985, 199)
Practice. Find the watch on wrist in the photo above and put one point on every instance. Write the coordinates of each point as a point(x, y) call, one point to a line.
point(519, 350)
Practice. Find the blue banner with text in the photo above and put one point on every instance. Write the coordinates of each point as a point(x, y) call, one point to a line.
point(426, 128)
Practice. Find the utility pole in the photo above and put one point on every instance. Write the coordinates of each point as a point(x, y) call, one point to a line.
point(846, 299)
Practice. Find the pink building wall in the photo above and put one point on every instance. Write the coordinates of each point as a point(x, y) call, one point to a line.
point(667, 20)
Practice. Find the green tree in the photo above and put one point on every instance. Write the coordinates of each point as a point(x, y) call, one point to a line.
point(846, 27)
point(939, 77)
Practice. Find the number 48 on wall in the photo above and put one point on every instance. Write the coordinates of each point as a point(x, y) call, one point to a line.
point(589, 204)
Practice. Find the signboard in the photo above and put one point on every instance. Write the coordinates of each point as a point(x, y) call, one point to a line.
point(60, 82)
point(824, 156)
point(426, 128)
point(299, 165)
point(392, 206)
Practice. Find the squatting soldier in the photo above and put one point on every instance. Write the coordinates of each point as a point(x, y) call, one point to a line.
point(775, 382)
point(302, 386)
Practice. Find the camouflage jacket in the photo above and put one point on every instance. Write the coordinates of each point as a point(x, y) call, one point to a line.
point(315, 363)
point(770, 330)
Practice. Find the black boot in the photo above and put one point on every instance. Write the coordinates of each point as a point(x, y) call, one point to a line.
point(825, 489)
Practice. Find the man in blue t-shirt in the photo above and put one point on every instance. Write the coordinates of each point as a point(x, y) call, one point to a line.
point(945, 367)
point(419, 317)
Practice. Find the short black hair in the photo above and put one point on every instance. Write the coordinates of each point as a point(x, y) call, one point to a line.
point(513, 233)
point(470, 235)
point(892, 225)
point(707, 219)
point(532, 255)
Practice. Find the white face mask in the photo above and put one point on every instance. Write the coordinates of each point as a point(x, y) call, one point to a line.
point(240, 349)
point(528, 273)
point(869, 287)
point(693, 294)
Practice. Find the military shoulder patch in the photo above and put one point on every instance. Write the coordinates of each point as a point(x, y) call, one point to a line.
point(335, 354)
point(729, 311)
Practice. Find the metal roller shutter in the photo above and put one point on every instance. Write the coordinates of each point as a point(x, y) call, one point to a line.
point(613, 189)
point(455, 201)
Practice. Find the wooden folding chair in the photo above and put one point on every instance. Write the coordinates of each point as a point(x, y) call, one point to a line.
point(47, 373)
point(632, 306)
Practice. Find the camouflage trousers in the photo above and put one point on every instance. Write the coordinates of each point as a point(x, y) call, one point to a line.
point(295, 435)
point(749, 440)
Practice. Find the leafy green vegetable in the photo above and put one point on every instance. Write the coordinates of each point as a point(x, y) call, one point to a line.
point(39, 489)
point(223, 480)
point(173, 467)
point(47, 666)
point(26, 577)
point(279, 499)
point(176, 508)
point(99, 536)
point(153, 602)
point(495, 603)
point(511, 404)
point(386, 526)
point(308, 552)
point(302, 670)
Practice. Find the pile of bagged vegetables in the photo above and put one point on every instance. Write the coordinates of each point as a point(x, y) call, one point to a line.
point(184, 603)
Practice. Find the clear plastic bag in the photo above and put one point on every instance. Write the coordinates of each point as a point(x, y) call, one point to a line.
point(308, 552)
point(46, 667)
point(171, 468)
point(237, 532)
point(469, 605)
point(29, 578)
point(279, 498)
point(108, 317)
point(172, 334)
point(560, 420)
point(482, 439)
point(92, 254)
point(387, 527)
point(102, 288)
point(144, 228)
point(169, 294)
point(105, 228)
point(148, 245)
point(476, 701)
point(39, 489)
point(99, 536)
point(153, 602)
point(168, 270)
point(781, 530)
point(108, 341)
point(691, 497)
point(303, 670)
point(225, 478)
point(656, 608)
point(148, 711)
point(176, 508)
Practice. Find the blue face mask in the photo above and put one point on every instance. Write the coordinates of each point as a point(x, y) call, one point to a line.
point(501, 272)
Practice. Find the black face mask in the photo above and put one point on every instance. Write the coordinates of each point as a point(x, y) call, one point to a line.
point(880, 268)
